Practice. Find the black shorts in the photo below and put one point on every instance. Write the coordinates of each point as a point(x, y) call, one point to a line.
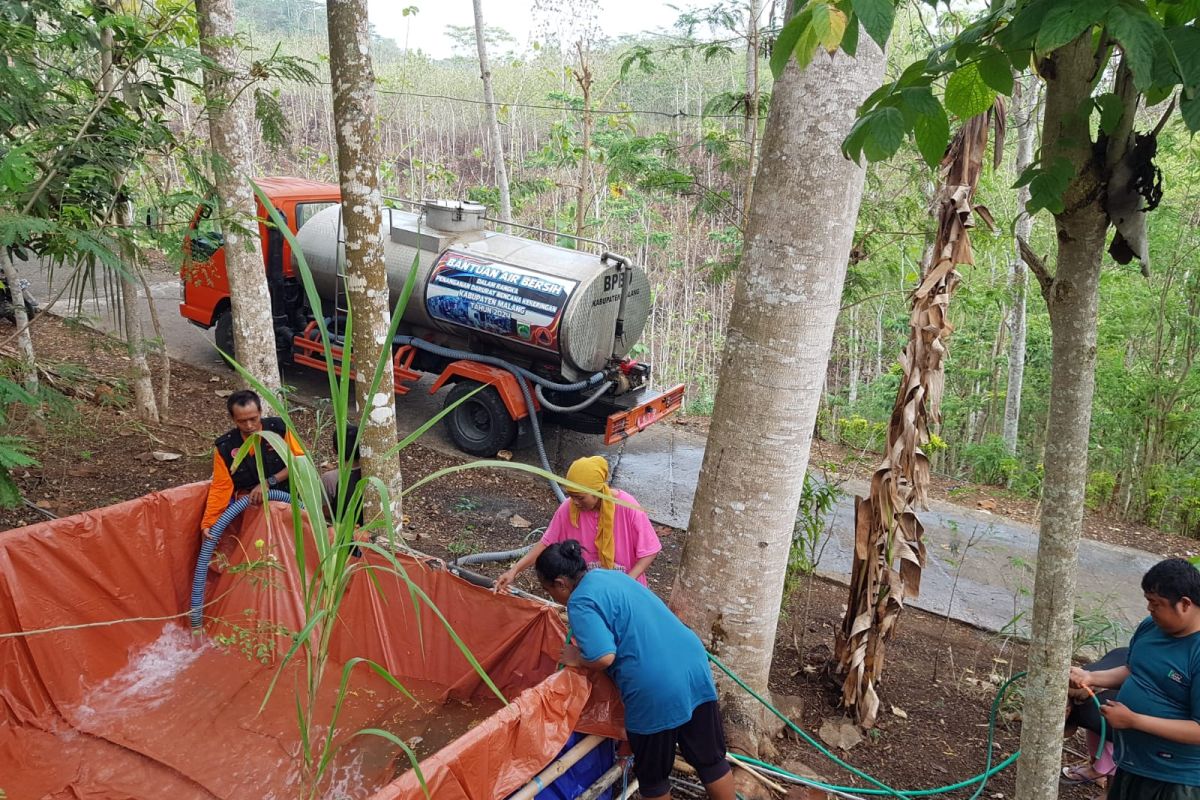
point(702, 741)
point(1127, 786)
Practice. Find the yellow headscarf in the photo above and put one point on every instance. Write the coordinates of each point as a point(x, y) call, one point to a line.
point(592, 472)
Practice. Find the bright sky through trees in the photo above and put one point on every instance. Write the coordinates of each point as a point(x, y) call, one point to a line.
point(426, 29)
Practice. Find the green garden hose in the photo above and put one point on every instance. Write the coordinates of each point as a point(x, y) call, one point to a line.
point(883, 789)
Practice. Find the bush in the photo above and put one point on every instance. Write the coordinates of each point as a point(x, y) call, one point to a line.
point(1028, 482)
point(990, 462)
point(1172, 500)
point(1100, 487)
point(810, 532)
point(860, 433)
point(1189, 507)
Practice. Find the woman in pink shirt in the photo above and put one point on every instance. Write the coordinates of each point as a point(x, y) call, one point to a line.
point(613, 536)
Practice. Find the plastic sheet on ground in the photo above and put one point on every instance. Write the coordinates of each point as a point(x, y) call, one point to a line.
point(106, 694)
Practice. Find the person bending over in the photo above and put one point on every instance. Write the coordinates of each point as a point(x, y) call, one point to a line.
point(1156, 715)
point(245, 409)
point(611, 536)
point(657, 663)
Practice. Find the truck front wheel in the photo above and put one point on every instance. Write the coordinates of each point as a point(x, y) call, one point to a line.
point(481, 424)
point(223, 332)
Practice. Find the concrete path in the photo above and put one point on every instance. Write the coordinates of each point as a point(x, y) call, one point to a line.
point(980, 566)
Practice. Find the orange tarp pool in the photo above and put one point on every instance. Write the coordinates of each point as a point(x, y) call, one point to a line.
point(106, 694)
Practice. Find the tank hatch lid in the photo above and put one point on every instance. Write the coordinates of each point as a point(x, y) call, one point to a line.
point(454, 215)
point(407, 229)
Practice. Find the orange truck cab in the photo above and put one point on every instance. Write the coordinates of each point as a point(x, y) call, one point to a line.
point(205, 291)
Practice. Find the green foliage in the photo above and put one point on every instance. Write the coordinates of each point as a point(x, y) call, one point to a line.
point(465, 504)
point(1143, 40)
point(810, 533)
point(700, 404)
point(967, 95)
point(1100, 486)
point(1047, 184)
point(1095, 632)
point(996, 71)
point(990, 462)
point(1065, 20)
point(256, 641)
point(88, 141)
point(1156, 39)
point(522, 192)
point(14, 454)
point(1111, 112)
point(861, 433)
point(1172, 499)
point(15, 451)
point(877, 16)
point(273, 122)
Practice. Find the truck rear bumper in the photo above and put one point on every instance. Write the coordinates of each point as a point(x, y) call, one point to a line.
point(623, 424)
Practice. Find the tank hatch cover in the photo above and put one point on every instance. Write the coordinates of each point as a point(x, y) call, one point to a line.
point(454, 215)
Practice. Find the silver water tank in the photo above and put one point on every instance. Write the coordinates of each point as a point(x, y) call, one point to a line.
point(502, 292)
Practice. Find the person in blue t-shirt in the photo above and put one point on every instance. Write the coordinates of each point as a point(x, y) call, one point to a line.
point(1157, 712)
point(657, 663)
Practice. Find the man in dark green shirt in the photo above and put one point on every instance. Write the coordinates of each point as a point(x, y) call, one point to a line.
point(1156, 715)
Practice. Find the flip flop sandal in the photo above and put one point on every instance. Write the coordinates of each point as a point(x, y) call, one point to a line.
point(1075, 776)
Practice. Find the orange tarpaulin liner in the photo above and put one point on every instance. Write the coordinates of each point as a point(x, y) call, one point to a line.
point(106, 694)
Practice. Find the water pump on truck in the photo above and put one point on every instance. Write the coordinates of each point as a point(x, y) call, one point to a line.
point(542, 328)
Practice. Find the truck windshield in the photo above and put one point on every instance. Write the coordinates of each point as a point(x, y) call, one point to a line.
point(205, 239)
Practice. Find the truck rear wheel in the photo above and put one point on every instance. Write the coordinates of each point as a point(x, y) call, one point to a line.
point(481, 424)
point(223, 332)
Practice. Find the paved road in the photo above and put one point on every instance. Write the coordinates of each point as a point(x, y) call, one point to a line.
point(980, 566)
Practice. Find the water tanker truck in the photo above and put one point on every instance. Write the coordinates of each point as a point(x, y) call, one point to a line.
point(544, 330)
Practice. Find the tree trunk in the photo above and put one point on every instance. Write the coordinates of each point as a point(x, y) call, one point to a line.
point(353, 79)
point(164, 380)
point(786, 301)
point(878, 342)
point(28, 364)
point(750, 127)
point(989, 411)
point(584, 79)
point(489, 98)
point(135, 340)
point(855, 366)
point(231, 132)
point(1072, 296)
point(1025, 109)
point(972, 425)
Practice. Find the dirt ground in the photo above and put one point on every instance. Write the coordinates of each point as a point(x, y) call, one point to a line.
point(941, 676)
